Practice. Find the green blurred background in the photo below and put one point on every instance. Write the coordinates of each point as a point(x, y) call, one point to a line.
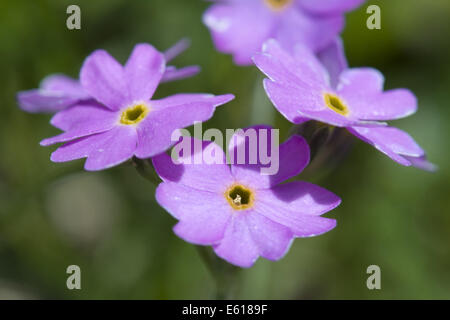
point(108, 223)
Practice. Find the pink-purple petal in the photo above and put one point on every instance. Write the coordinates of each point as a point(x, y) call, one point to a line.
point(181, 99)
point(328, 7)
point(81, 120)
point(389, 105)
point(203, 215)
point(291, 68)
point(100, 149)
point(143, 72)
point(155, 131)
point(65, 84)
point(239, 28)
point(313, 226)
point(277, 70)
point(237, 245)
point(289, 100)
point(422, 163)
point(194, 171)
point(313, 31)
point(297, 105)
point(272, 239)
point(293, 157)
point(334, 60)
point(173, 74)
point(39, 100)
point(177, 49)
point(360, 81)
point(362, 91)
point(56, 93)
point(299, 198)
point(104, 79)
point(298, 207)
point(393, 142)
point(76, 114)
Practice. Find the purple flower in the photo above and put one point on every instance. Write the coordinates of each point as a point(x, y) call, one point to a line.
point(239, 212)
point(300, 89)
point(59, 91)
point(123, 122)
point(240, 27)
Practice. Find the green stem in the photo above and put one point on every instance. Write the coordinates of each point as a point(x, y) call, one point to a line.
point(145, 168)
point(225, 275)
point(328, 146)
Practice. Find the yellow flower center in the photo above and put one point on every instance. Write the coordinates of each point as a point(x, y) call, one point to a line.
point(278, 5)
point(134, 114)
point(239, 197)
point(335, 103)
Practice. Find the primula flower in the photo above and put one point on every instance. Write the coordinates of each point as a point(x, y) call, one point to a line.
point(240, 27)
point(58, 91)
point(300, 89)
point(123, 122)
point(239, 212)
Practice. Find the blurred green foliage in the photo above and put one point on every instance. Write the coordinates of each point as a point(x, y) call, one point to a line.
point(108, 223)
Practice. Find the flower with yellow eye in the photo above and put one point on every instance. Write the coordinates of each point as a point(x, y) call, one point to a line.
point(238, 211)
point(300, 88)
point(58, 92)
point(240, 27)
point(120, 120)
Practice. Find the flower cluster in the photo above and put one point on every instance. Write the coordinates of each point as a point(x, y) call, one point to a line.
point(108, 116)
